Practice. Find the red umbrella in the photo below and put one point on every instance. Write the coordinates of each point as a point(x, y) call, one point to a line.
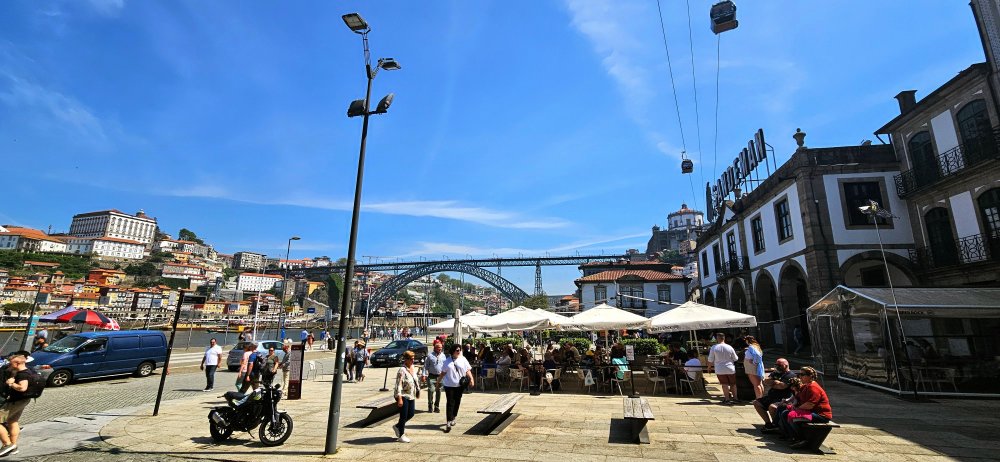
point(91, 317)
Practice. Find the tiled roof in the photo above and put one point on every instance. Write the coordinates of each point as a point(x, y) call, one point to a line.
point(29, 233)
point(614, 275)
point(41, 263)
point(261, 275)
point(115, 239)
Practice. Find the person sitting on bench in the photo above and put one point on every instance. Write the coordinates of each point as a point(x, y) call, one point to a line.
point(779, 389)
point(812, 405)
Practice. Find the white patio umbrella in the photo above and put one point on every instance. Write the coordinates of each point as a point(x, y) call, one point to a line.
point(607, 317)
point(448, 326)
point(515, 319)
point(558, 321)
point(695, 316)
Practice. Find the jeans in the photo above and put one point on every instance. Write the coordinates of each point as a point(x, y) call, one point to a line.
point(359, 367)
point(433, 392)
point(794, 430)
point(210, 376)
point(454, 396)
point(406, 413)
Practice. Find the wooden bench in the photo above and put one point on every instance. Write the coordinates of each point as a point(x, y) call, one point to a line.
point(382, 409)
point(500, 412)
point(815, 433)
point(637, 413)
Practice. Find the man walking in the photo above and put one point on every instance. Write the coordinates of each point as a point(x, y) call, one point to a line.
point(432, 375)
point(16, 385)
point(210, 362)
point(286, 361)
point(723, 358)
point(304, 338)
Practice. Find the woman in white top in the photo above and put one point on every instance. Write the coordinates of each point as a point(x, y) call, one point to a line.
point(406, 392)
point(454, 368)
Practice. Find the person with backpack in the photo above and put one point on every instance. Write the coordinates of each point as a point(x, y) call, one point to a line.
point(21, 385)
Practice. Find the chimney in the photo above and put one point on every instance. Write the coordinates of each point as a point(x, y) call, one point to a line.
point(907, 99)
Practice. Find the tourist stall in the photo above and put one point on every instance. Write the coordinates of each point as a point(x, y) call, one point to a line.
point(910, 341)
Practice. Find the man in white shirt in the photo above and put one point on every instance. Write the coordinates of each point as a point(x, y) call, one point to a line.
point(722, 358)
point(209, 363)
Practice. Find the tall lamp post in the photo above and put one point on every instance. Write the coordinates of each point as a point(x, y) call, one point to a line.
point(284, 290)
point(357, 108)
point(874, 210)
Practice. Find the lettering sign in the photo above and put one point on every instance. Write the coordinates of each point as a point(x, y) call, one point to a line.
point(295, 372)
point(735, 175)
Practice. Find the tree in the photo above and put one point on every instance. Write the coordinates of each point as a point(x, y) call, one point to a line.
point(145, 269)
point(535, 302)
point(230, 273)
point(187, 235)
point(335, 289)
point(19, 308)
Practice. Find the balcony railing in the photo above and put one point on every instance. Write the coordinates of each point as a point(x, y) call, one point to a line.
point(949, 163)
point(972, 249)
point(734, 266)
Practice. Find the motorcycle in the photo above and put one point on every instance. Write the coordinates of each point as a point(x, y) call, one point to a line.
point(245, 412)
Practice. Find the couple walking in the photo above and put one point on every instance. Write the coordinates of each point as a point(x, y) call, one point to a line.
point(448, 372)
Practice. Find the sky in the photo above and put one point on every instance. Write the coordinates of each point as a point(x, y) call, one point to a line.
point(518, 128)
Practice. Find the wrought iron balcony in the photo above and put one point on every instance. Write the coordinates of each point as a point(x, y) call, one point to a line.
point(949, 163)
point(971, 249)
point(733, 267)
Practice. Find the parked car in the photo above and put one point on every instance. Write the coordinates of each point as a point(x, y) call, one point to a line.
point(388, 356)
point(236, 354)
point(101, 354)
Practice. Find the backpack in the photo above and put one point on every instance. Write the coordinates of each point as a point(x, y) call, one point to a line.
point(257, 361)
point(36, 384)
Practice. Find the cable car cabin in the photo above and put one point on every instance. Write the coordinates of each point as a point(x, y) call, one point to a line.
point(687, 166)
point(723, 17)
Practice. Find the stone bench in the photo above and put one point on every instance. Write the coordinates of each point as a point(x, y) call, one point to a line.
point(382, 409)
point(637, 413)
point(815, 433)
point(500, 413)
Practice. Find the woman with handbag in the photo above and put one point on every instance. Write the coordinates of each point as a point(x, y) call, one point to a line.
point(406, 392)
point(457, 373)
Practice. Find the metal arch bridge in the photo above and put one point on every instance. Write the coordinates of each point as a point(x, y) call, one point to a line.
point(391, 286)
point(412, 270)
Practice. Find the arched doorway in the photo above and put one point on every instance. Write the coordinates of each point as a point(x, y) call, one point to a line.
point(738, 298)
point(766, 309)
point(868, 269)
point(940, 239)
point(721, 298)
point(709, 298)
point(794, 292)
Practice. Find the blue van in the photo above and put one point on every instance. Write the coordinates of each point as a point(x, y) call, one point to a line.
point(99, 354)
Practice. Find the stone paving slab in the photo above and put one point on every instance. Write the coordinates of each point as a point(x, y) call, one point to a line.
point(575, 427)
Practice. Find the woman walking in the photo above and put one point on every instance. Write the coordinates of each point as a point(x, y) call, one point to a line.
point(455, 369)
point(406, 392)
point(360, 360)
point(753, 364)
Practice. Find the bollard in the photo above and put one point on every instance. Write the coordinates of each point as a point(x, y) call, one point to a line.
point(385, 381)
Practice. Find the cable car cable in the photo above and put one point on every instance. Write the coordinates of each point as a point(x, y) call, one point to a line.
point(670, 67)
point(697, 114)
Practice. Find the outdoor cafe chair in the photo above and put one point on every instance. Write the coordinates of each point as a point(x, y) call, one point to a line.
point(692, 384)
point(516, 375)
point(615, 381)
point(552, 375)
point(654, 378)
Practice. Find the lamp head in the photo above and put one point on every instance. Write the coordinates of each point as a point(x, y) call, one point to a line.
point(295, 238)
point(356, 108)
point(356, 23)
point(383, 105)
point(389, 64)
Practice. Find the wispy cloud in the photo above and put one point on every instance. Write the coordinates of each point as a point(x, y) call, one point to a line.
point(52, 108)
point(109, 8)
point(445, 209)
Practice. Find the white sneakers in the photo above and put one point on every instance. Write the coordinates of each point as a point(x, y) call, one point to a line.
point(8, 450)
point(404, 439)
point(395, 430)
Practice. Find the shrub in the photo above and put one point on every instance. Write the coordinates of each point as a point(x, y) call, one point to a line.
point(644, 346)
point(496, 342)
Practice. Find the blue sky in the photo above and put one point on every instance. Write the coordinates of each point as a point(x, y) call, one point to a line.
point(517, 127)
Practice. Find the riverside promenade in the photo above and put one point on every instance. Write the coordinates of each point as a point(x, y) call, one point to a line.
point(561, 426)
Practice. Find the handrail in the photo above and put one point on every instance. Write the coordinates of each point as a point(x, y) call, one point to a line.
point(966, 250)
point(950, 163)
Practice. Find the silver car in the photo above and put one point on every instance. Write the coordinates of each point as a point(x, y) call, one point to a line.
point(236, 354)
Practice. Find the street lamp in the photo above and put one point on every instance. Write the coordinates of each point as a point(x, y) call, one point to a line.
point(284, 289)
point(357, 24)
point(874, 210)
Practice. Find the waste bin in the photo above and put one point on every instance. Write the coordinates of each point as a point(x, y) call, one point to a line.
point(744, 389)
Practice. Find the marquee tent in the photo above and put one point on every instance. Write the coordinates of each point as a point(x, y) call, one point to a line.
point(515, 319)
point(606, 317)
point(558, 321)
point(695, 316)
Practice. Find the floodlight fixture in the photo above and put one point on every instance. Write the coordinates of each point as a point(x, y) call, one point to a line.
point(389, 64)
point(384, 104)
point(357, 108)
point(356, 23)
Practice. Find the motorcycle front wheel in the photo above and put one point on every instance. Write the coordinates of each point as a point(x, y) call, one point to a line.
point(272, 434)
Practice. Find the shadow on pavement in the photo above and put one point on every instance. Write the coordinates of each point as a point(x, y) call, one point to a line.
point(620, 432)
point(371, 440)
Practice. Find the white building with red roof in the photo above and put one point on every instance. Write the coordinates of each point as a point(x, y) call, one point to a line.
point(643, 291)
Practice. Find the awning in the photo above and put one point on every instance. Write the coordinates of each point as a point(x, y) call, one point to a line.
point(952, 302)
point(447, 326)
point(695, 316)
point(515, 319)
point(607, 317)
